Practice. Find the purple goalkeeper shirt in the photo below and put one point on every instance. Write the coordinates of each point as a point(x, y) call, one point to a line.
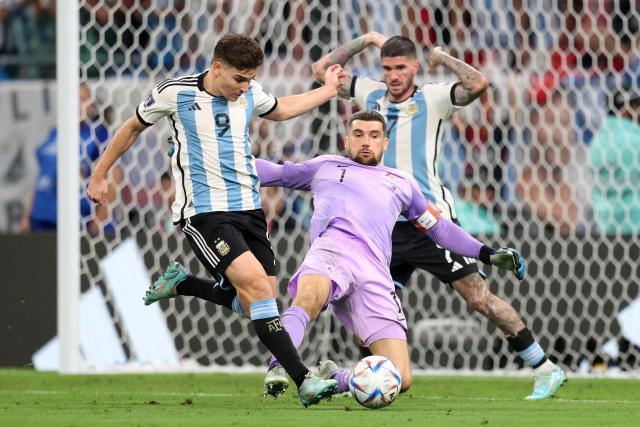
point(365, 202)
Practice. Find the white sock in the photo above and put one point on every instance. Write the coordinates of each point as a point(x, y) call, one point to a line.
point(547, 366)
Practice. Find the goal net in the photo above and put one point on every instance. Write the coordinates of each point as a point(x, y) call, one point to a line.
point(540, 162)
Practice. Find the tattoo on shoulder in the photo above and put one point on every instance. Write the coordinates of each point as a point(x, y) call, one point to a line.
point(461, 95)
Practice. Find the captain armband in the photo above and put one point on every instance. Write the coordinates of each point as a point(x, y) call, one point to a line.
point(427, 220)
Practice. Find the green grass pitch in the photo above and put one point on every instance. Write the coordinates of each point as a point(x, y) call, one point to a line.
point(28, 398)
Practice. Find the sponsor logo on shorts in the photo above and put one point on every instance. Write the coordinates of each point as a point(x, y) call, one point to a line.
point(222, 247)
point(275, 325)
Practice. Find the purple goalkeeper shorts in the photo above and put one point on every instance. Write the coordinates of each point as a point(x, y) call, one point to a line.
point(362, 294)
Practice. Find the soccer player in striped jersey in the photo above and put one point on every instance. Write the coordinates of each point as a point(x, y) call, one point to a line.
point(415, 116)
point(217, 199)
point(357, 203)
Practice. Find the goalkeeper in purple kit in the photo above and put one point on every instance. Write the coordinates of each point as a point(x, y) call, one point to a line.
point(356, 205)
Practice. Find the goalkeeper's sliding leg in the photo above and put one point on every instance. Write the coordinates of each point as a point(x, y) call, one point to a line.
point(313, 291)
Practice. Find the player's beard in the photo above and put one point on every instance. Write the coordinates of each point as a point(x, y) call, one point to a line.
point(402, 90)
point(373, 160)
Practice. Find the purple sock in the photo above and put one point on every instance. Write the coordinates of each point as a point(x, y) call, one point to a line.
point(342, 376)
point(295, 321)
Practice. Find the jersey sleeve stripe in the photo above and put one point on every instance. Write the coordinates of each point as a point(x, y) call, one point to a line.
point(352, 88)
point(143, 121)
point(452, 94)
point(178, 80)
point(184, 84)
point(275, 104)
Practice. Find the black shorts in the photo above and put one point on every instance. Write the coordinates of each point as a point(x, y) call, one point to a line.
point(413, 249)
point(217, 238)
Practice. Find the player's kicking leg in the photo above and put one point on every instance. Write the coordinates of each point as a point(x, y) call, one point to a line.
point(548, 377)
point(255, 285)
point(245, 275)
point(311, 295)
point(165, 286)
point(176, 281)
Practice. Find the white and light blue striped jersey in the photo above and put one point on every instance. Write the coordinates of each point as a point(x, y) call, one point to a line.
point(212, 165)
point(415, 127)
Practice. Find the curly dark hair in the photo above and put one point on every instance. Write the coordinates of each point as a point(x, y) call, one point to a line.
point(239, 51)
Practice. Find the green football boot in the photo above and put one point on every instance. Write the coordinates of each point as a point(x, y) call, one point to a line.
point(546, 383)
point(165, 286)
point(276, 382)
point(314, 389)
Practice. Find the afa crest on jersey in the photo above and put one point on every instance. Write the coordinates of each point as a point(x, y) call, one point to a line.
point(222, 247)
point(411, 108)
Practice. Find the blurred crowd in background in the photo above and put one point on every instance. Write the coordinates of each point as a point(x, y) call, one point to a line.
point(555, 141)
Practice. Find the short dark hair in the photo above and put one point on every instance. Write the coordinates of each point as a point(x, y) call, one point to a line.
point(398, 46)
point(368, 116)
point(239, 51)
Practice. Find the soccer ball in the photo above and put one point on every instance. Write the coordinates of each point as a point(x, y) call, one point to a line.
point(375, 382)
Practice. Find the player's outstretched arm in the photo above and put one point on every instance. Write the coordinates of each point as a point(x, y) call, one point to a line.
point(295, 105)
point(289, 175)
point(270, 174)
point(472, 81)
point(453, 238)
point(342, 54)
point(123, 139)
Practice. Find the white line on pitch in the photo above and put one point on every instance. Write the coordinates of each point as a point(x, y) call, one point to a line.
point(203, 394)
point(508, 399)
point(144, 393)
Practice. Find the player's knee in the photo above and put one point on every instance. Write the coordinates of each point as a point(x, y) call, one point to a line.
point(309, 302)
point(259, 289)
point(406, 381)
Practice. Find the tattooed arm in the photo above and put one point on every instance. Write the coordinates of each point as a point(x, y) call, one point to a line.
point(472, 81)
point(342, 54)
